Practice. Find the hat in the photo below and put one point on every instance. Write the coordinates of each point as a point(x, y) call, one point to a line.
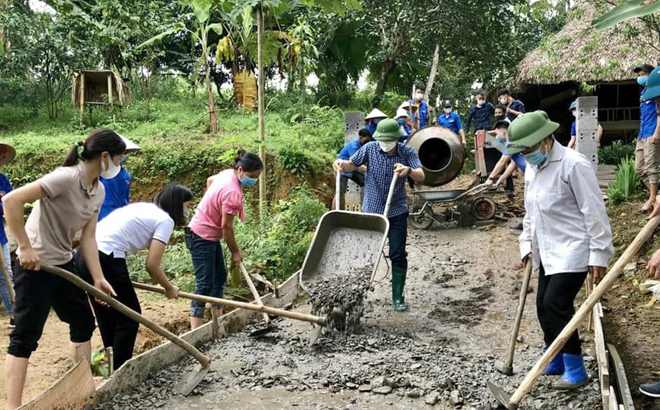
point(130, 145)
point(446, 103)
point(388, 130)
point(503, 91)
point(647, 68)
point(573, 105)
point(7, 153)
point(401, 113)
point(652, 85)
point(528, 130)
point(375, 113)
point(404, 105)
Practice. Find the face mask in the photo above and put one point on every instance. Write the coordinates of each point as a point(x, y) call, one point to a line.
point(536, 158)
point(419, 96)
point(186, 214)
point(481, 102)
point(447, 110)
point(401, 121)
point(248, 182)
point(387, 146)
point(111, 170)
point(504, 100)
point(574, 113)
point(376, 121)
point(500, 117)
point(123, 159)
point(642, 80)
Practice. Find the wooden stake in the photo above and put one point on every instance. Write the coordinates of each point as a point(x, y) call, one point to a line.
point(215, 329)
point(82, 99)
point(262, 127)
point(110, 89)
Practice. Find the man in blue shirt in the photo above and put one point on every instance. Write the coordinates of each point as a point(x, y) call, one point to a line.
point(451, 120)
point(403, 119)
point(571, 143)
point(647, 152)
point(480, 113)
point(386, 157)
point(7, 154)
point(419, 108)
point(514, 107)
point(117, 183)
point(357, 176)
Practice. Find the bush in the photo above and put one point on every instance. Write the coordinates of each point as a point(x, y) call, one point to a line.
point(294, 160)
point(615, 153)
point(626, 183)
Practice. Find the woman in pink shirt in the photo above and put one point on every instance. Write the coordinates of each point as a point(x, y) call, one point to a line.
point(213, 221)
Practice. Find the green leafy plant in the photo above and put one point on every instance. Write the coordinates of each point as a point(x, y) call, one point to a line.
point(294, 160)
point(626, 182)
point(100, 364)
point(615, 153)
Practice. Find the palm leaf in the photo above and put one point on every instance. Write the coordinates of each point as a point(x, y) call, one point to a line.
point(626, 11)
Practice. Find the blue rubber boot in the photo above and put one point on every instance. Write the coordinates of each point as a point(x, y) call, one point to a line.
point(555, 367)
point(575, 375)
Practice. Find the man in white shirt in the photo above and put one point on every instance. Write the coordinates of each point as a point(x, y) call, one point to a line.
point(566, 233)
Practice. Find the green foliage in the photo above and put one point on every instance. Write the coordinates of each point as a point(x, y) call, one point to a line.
point(626, 182)
point(100, 364)
point(628, 10)
point(294, 160)
point(615, 153)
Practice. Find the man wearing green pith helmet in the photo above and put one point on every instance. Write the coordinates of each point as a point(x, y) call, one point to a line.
point(385, 157)
point(566, 233)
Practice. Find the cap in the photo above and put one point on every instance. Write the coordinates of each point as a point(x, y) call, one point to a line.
point(647, 68)
point(573, 106)
point(446, 103)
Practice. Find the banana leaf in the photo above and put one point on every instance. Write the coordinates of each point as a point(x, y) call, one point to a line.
point(626, 11)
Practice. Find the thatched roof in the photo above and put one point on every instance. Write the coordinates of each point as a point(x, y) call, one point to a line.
point(96, 88)
point(580, 53)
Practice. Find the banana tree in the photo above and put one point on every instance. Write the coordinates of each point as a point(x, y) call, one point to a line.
point(201, 12)
point(626, 11)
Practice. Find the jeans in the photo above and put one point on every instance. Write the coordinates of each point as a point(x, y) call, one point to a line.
point(210, 270)
point(117, 330)
point(554, 306)
point(397, 237)
point(4, 292)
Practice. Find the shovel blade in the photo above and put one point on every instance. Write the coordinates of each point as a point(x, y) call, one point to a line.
point(501, 396)
point(188, 383)
point(315, 335)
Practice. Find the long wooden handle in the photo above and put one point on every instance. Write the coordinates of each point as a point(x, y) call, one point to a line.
point(257, 296)
point(8, 281)
point(521, 308)
point(584, 310)
point(125, 310)
point(239, 305)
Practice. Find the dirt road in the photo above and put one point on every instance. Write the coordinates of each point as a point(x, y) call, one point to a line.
point(462, 289)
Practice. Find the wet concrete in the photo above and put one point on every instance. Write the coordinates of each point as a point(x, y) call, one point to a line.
point(463, 295)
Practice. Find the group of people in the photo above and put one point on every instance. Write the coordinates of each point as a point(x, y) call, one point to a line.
point(89, 196)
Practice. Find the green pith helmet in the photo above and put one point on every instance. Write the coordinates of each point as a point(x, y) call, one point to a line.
point(528, 130)
point(652, 85)
point(388, 130)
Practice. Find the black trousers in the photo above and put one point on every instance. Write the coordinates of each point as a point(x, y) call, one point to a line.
point(554, 306)
point(117, 331)
point(36, 293)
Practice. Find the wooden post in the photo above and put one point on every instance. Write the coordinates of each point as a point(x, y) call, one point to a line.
point(82, 99)
point(111, 358)
point(110, 89)
point(586, 128)
point(215, 329)
point(262, 128)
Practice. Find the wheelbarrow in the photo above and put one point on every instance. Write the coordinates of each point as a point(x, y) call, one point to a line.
point(422, 216)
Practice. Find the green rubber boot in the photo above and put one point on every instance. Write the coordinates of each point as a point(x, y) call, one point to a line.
point(398, 283)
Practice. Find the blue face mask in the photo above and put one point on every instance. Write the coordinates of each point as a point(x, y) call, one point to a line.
point(401, 121)
point(248, 182)
point(376, 121)
point(536, 158)
point(642, 80)
point(123, 159)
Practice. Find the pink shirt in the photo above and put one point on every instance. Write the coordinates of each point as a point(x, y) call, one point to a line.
point(224, 195)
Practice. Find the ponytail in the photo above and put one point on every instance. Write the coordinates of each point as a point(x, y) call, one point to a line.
point(96, 143)
point(248, 161)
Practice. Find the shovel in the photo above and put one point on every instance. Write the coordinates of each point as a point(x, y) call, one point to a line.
point(507, 367)
point(257, 297)
point(190, 381)
point(512, 402)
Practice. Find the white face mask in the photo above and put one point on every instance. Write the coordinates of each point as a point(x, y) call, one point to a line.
point(448, 110)
point(186, 214)
point(111, 170)
point(419, 96)
point(387, 146)
point(504, 100)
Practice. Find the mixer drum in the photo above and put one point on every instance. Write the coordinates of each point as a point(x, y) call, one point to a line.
point(440, 152)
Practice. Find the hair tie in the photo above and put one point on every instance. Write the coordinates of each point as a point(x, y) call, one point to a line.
point(80, 144)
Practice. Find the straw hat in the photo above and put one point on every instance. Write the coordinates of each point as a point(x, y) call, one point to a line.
point(7, 153)
point(375, 113)
point(401, 113)
point(130, 145)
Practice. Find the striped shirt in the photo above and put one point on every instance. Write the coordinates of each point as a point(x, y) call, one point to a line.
point(380, 171)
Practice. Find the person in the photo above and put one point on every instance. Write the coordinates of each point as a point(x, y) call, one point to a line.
point(566, 233)
point(652, 92)
point(7, 154)
point(419, 108)
point(599, 131)
point(514, 108)
point(647, 152)
point(386, 157)
point(500, 113)
point(133, 228)
point(214, 221)
point(117, 182)
point(373, 118)
point(403, 119)
point(501, 128)
point(451, 120)
point(67, 201)
point(357, 176)
point(480, 113)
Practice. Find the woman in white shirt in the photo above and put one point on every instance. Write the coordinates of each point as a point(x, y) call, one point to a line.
point(126, 230)
point(566, 233)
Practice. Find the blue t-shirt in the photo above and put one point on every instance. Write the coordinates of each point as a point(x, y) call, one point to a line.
point(371, 127)
point(347, 152)
point(407, 132)
point(5, 188)
point(379, 177)
point(648, 112)
point(117, 192)
point(451, 121)
point(518, 158)
point(516, 105)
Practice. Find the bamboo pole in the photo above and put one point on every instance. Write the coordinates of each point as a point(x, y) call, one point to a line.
point(82, 99)
point(262, 128)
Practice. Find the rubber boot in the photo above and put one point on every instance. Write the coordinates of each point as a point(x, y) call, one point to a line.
point(555, 367)
point(575, 375)
point(398, 283)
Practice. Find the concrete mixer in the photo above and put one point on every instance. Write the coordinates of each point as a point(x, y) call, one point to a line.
point(442, 156)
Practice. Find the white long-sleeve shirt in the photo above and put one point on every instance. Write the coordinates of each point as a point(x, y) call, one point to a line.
point(566, 227)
